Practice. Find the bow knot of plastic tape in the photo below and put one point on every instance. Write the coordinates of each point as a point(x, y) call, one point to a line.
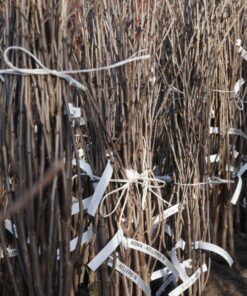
point(148, 183)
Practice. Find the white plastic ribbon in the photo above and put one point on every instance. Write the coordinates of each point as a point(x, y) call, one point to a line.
point(130, 274)
point(184, 286)
point(109, 248)
point(100, 189)
point(237, 191)
point(213, 248)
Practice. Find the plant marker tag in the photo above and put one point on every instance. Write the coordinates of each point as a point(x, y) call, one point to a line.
point(75, 112)
point(165, 272)
point(84, 166)
point(100, 189)
point(130, 274)
point(86, 236)
point(213, 248)
point(75, 208)
point(213, 130)
point(236, 194)
point(241, 50)
point(10, 253)
point(238, 85)
point(180, 244)
point(109, 248)
point(140, 246)
point(180, 269)
point(167, 213)
point(165, 284)
point(237, 132)
point(11, 227)
point(184, 286)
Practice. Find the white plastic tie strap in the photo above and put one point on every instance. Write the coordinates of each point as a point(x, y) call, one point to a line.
point(109, 248)
point(100, 189)
point(215, 249)
point(140, 246)
point(184, 286)
point(238, 189)
point(130, 274)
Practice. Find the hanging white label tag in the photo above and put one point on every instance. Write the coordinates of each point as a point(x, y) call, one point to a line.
point(137, 245)
point(180, 244)
point(238, 189)
point(84, 166)
point(75, 112)
point(167, 213)
point(100, 189)
point(10, 253)
point(180, 269)
point(165, 272)
point(213, 130)
point(184, 286)
point(238, 85)
point(213, 248)
point(213, 158)
point(164, 285)
point(130, 274)
point(109, 248)
point(75, 208)
point(10, 227)
point(86, 236)
point(237, 132)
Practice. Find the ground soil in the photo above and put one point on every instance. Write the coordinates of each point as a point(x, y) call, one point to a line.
point(225, 281)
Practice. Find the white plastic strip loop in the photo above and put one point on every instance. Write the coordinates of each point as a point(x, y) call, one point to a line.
point(213, 248)
point(237, 191)
point(130, 274)
point(109, 248)
point(100, 189)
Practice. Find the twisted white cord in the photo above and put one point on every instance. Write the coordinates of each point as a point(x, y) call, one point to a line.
point(61, 74)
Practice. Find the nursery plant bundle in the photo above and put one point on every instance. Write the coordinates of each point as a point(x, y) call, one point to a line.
point(122, 123)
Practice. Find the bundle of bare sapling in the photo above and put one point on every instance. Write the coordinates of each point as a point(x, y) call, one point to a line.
point(121, 124)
